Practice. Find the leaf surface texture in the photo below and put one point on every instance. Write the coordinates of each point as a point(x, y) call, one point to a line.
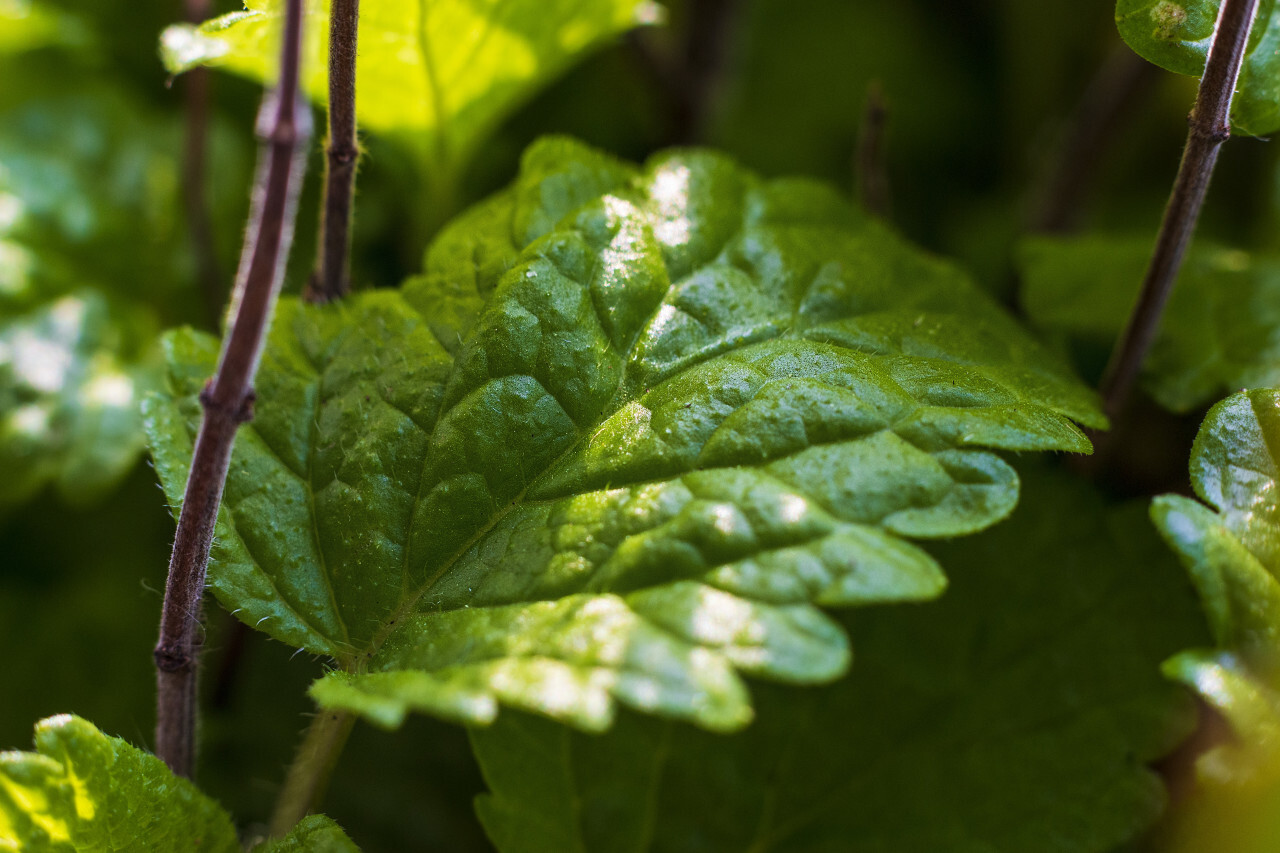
point(82, 790)
point(619, 443)
point(1016, 713)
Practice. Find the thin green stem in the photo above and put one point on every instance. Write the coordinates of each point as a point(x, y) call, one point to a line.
point(308, 777)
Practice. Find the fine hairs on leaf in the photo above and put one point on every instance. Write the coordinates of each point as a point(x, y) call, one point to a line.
point(227, 399)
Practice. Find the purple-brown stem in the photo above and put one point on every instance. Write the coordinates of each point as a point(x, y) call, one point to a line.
point(284, 127)
point(1209, 128)
point(331, 279)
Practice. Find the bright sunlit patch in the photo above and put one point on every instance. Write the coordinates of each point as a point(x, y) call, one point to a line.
point(793, 507)
point(16, 266)
point(724, 519)
point(720, 619)
point(114, 390)
point(38, 362)
point(670, 193)
point(650, 14)
point(11, 209)
point(35, 806)
point(30, 420)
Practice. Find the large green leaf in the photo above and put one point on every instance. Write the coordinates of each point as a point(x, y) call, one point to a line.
point(1218, 333)
point(1014, 714)
point(1176, 36)
point(616, 444)
point(442, 72)
point(1232, 550)
point(84, 791)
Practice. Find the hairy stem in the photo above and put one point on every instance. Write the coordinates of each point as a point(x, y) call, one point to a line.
point(195, 157)
point(309, 774)
point(284, 126)
point(331, 279)
point(870, 172)
point(1209, 128)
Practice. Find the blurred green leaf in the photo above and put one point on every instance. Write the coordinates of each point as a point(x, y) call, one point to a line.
point(1218, 333)
point(615, 445)
point(1017, 712)
point(441, 73)
point(1177, 35)
point(72, 377)
point(84, 791)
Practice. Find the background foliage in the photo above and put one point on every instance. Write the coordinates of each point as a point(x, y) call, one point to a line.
point(954, 700)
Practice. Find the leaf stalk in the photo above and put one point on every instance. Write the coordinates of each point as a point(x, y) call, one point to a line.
point(308, 778)
point(331, 279)
point(284, 127)
point(1209, 126)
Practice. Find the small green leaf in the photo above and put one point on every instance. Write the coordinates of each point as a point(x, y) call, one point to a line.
point(620, 441)
point(442, 73)
point(1231, 548)
point(1217, 334)
point(84, 791)
point(1017, 712)
point(1177, 35)
point(314, 834)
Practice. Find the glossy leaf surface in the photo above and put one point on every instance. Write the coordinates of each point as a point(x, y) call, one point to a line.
point(1231, 547)
point(441, 72)
point(1015, 713)
point(1176, 36)
point(82, 790)
point(1217, 333)
point(626, 434)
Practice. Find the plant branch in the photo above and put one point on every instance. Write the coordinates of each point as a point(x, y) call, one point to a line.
point(1209, 128)
point(871, 176)
point(195, 156)
point(691, 73)
point(1108, 102)
point(309, 774)
point(284, 126)
point(331, 279)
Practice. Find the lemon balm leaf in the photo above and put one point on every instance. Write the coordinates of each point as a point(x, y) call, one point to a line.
point(625, 440)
